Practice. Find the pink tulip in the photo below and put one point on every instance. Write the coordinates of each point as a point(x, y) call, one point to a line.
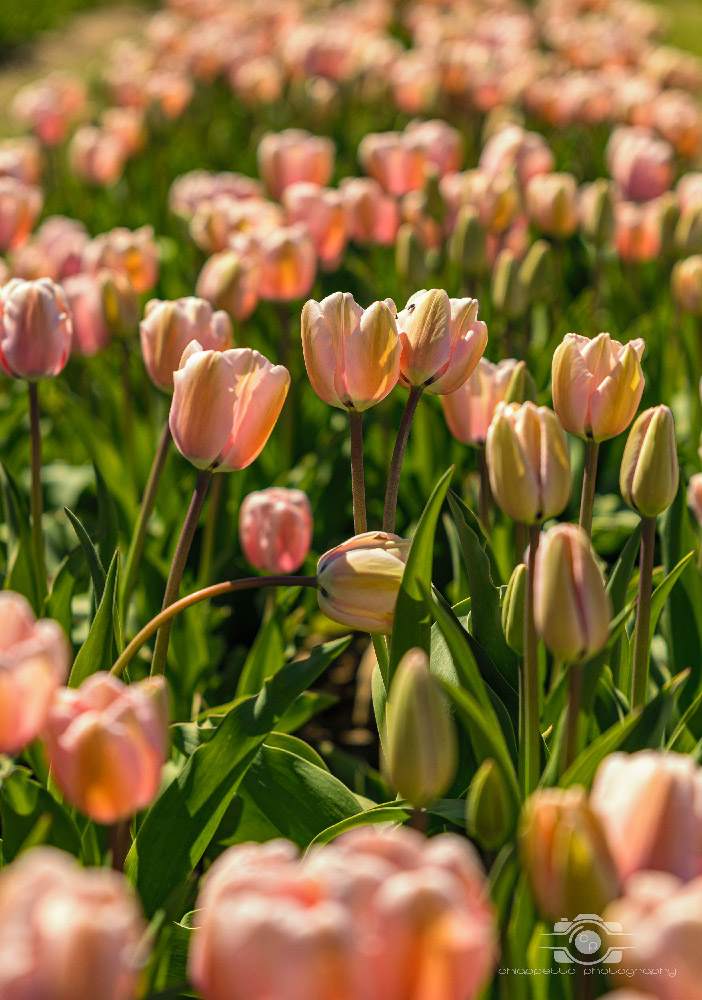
point(640, 162)
point(258, 81)
point(191, 189)
point(33, 663)
point(107, 742)
point(414, 80)
point(662, 920)
point(167, 329)
point(66, 931)
point(650, 804)
point(49, 105)
point(372, 216)
point(676, 116)
point(552, 202)
point(127, 126)
point(441, 144)
point(230, 280)
point(397, 166)
point(597, 385)
point(91, 334)
point(171, 91)
point(60, 243)
point(694, 495)
point(217, 220)
point(442, 341)
point(294, 155)
point(275, 529)
point(512, 148)
point(20, 205)
point(352, 356)
point(289, 264)
point(225, 405)
point(470, 409)
point(637, 235)
point(35, 329)
point(96, 156)
point(132, 252)
point(321, 211)
point(20, 158)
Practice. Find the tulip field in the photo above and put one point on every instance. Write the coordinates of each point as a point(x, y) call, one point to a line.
point(351, 507)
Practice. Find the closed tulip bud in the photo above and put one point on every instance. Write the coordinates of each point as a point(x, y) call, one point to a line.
point(410, 255)
point(694, 495)
point(467, 242)
point(35, 329)
point(552, 203)
point(597, 211)
point(421, 747)
point(572, 610)
point(167, 329)
point(470, 409)
point(275, 529)
point(359, 580)
point(649, 474)
point(686, 284)
point(67, 931)
point(107, 742)
point(668, 214)
point(597, 385)
point(522, 386)
point(508, 294)
point(536, 272)
point(527, 455)
point(352, 355)
point(230, 281)
point(513, 604)
point(225, 405)
point(119, 302)
point(33, 663)
point(491, 812)
point(688, 231)
point(289, 264)
point(565, 854)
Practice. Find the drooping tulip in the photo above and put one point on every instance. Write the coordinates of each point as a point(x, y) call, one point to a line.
point(597, 385)
point(359, 580)
point(169, 326)
point(35, 329)
point(352, 355)
point(107, 742)
point(225, 405)
point(275, 529)
point(67, 931)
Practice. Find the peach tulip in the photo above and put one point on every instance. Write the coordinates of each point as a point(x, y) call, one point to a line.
point(35, 329)
point(288, 264)
point(292, 156)
point(58, 245)
point(597, 384)
point(275, 529)
point(20, 157)
point(513, 148)
point(552, 203)
point(230, 280)
point(34, 659)
point(127, 126)
point(132, 252)
point(107, 742)
point(225, 405)
point(441, 144)
point(470, 409)
point(359, 580)
point(352, 355)
point(48, 106)
point(650, 805)
point(321, 211)
point(442, 341)
point(66, 931)
point(20, 205)
point(372, 216)
point(389, 159)
point(96, 156)
point(686, 284)
point(167, 329)
point(637, 236)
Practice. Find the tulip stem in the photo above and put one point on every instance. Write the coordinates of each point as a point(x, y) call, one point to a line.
point(530, 736)
point(642, 637)
point(358, 481)
point(592, 449)
point(120, 843)
point(158, 664)
point(128, 403)
point(575, 697)
point(208, 538)
point(397, 456)
point(484, 493)
point(136, 546)
point(206, 594)
point(36, 502)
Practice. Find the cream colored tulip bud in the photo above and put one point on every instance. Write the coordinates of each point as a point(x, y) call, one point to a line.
point(650, 475)
point(513, 609)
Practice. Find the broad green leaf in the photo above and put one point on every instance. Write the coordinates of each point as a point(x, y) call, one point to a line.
point(96, 653)
point(387, 812)
point(193, 803)
point(265, 658)
point(412, 623)
point(27, 811)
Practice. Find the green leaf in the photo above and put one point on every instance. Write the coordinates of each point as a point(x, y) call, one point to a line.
point(387, 812)
point(265, 658)
point(662, 591)
point(96, 653)
point(31, 815)
point(97, 570)
point(21, 575)
point(412, 622)
point(195, 801)
point(682, 626)
point(107, 517)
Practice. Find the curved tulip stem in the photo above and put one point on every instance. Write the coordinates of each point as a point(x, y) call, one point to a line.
point(575, 697)
point(136, 546)
point(207, 594)
point(36, 502)
point(642, 638)
point(484, 494)
point(158, 664)
point(398, 454)
point(358, 481)
point(592, 449)
point(530, 735)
